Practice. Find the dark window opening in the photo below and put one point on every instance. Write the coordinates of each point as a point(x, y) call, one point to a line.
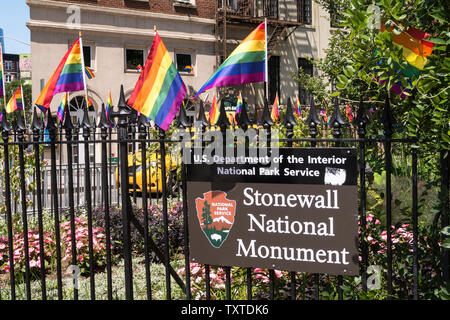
point(274, 78)
point(183, 60)
point(304, 11)
point(134, 58)
point(307, 67)
point(87, 56)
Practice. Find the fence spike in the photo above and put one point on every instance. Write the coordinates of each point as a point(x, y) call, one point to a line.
point(289, 119)
point(86, 124)
point(243, 121)
point(103, 123)
point(182, 121)
point(223, 122)
point(201, 116)
point(313, 117)
point(336, 119)
point(361, 119)
point(266, 120)
point(51, 127)
point(36, 125)
point(5, 127)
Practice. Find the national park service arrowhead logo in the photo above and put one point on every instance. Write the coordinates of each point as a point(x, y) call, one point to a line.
point(216, 216)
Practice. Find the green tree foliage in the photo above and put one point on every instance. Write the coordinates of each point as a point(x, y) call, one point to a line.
point(206, 215)
point(358, 53)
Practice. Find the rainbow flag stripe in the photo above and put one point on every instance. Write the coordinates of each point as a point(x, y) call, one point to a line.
point(2, 89)
point(108, 105)
point(67, 77)
point(275, 110)
point(246, 64)
point(159, 91)
point(214, 112)
point(415, 48)
point(15, 103)
point(239, 104)
point(89, 73)
point(298, 107)
point(62, 107)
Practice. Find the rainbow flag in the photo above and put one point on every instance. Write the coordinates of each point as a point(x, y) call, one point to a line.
point(298, 107)
point(214, 112)
point(188, 69)
point(348, 113)
point(68, 76)
point(275, 110)
point(2, 87)
point(239, 105)
point(15, 103)
point(159, 91)
point(246, 64)
point(62, 107)
point(89, 73)
point(415, 50)
point(108, 105)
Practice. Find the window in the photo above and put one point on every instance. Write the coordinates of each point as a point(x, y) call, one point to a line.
point(8, 65)
point(307, 67)
point(8, 78)
point(304, 12)
point(134, 58)
point(183, 61)
point(87, 55)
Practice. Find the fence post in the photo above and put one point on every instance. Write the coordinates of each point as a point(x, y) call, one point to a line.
point(20, 128)
point(123, 137)
point(68, 127)
point(143, 124)
point(387, 124)
point(203, 123)
point(289, 122)
point(361, 121)
point(183, 124)
point(105, 126)
point(336, 121)
point(313, 121)
point(51, 127)
point(5, 136)
point(36, 127)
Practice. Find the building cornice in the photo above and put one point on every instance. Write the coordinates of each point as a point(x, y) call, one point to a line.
point(120, 11)
point(119, 32)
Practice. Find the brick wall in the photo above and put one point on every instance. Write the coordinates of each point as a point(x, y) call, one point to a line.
point(202, 9)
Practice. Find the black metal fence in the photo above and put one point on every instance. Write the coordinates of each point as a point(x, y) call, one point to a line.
point(96, 217)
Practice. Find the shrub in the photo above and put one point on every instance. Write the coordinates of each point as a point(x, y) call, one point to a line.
point(156, 229)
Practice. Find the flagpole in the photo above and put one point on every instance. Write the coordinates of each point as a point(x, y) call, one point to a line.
point(23, 105)
point(266, 82)
point(84, 71)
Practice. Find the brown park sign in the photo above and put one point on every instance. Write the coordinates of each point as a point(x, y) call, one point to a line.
point(300, 216)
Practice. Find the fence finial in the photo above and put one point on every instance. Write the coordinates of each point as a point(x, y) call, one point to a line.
point(223, 121)
point(243, 121)
point(103, 124)
point(35, 125)
point(182, 121)
point(201, 115)
point(289, 119)
point(266, 119)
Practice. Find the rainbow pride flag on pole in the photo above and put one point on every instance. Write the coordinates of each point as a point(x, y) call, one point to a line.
point(67, 77)
point(159, 91)
point(15, 103)
point(246, 64)
point(298, 107)
point(239, 105)
point(275, 110)
point(89, 73)
point(415, 50)
point(2, 79)
point(214, 112)
point(62, 107)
